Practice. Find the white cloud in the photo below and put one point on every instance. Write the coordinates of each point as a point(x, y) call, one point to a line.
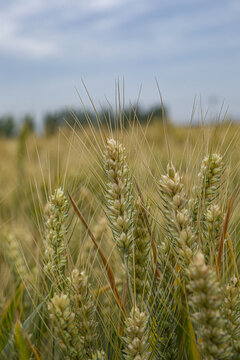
point(13, 40)
point(16, 37)
point(102, 5)
point(27, 46)
point(164, 34)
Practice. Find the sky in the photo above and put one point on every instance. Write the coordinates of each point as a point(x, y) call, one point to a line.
point(191, 47)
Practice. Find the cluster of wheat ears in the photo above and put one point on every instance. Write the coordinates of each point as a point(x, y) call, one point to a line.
point(158, 278)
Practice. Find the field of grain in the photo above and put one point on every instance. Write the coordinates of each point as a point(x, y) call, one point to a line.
point(121, 244)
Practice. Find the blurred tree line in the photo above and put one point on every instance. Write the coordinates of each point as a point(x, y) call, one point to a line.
point(9, 127)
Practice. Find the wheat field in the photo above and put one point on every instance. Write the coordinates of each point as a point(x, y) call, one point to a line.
point(121, 243)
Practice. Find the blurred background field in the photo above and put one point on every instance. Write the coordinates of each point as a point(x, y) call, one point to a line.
point(31, 165)
point(29, 159)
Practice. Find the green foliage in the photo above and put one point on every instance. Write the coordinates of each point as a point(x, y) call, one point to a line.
point(8, 316)
point(7, 126)
point(23, 348)
point(28, 124)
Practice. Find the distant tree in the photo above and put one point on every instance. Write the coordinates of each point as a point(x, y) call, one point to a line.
point(28, 123)
point(51, 123)
point(7, 126)
point(158, 111)
point(143, 116)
